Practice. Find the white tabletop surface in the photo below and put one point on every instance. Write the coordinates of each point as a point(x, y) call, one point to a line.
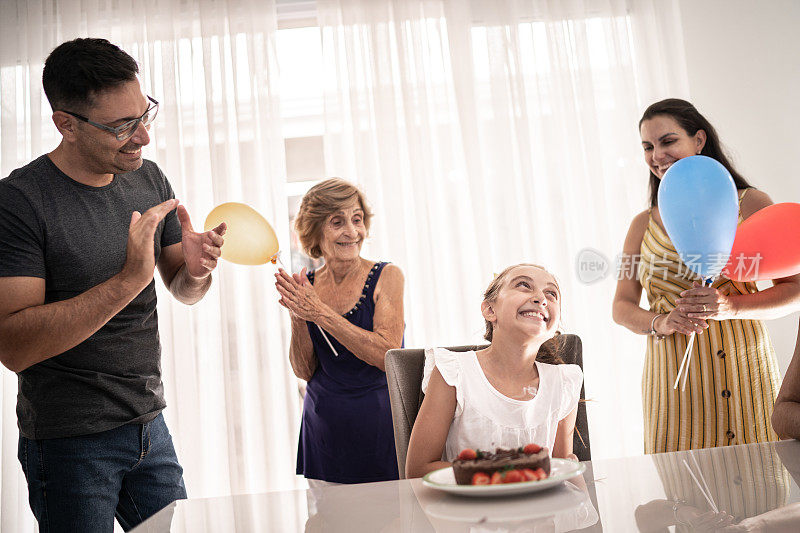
point(755, 483)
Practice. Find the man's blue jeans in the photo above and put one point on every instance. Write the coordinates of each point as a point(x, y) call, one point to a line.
point(82, 483)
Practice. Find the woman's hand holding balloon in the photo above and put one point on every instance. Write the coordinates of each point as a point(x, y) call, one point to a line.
point(705, 303)
point(677, 322)
point(298, 295)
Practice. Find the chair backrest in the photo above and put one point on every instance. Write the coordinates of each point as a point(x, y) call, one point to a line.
point(404, 375)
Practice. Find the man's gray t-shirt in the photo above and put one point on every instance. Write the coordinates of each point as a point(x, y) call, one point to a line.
point(75, 237)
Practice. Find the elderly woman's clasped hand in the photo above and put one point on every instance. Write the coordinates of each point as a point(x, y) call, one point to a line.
point(705, 303)
point(298, 295)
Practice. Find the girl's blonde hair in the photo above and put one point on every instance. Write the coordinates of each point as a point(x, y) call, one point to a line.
point(321, 201)
point(550, 350)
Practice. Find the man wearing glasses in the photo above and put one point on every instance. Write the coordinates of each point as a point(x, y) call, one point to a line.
point(82, 230)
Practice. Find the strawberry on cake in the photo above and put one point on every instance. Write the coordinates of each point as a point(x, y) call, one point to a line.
point(476, 467)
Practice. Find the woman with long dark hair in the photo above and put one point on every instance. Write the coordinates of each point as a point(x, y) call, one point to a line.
point(734, 376)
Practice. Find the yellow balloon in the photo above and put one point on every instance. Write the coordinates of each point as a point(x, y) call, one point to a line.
point(249, 239)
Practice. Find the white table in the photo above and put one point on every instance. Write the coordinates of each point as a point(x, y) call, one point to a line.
point(756, 483)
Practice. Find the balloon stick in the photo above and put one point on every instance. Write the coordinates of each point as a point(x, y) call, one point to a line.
point(324, 336)
point(706, 495)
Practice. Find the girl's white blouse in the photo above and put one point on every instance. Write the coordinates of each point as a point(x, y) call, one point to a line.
point(485, 419)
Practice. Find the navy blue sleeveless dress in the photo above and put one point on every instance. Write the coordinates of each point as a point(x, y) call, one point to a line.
point(346, 435)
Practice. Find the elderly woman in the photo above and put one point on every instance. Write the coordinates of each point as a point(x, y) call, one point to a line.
point(345, 316)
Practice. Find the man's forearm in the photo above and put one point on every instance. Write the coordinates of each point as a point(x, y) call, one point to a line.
point(771, 303)
point(187, 289)
point(786, 419)
point(40, 332)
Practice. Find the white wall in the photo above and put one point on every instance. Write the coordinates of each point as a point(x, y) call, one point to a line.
point(743, 61)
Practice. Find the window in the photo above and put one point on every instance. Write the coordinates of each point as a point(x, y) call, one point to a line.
point(300, 62)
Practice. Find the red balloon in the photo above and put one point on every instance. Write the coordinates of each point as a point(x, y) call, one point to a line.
point(767, 245)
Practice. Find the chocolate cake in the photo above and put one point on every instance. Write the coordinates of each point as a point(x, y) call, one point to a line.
point(501, 460)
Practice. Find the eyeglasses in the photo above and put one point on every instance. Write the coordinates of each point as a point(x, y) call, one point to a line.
point(126, 130)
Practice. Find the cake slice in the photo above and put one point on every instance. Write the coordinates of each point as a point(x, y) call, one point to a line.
point(496, 467)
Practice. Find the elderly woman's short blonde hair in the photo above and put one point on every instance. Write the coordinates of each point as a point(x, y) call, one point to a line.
point(320, 202)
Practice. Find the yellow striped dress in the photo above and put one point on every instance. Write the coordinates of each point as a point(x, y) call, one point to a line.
point(733, 378)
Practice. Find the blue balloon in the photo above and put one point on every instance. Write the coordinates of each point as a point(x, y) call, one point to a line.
point(699, 205)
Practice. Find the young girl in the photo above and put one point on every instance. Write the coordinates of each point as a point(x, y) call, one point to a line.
point(506, 395)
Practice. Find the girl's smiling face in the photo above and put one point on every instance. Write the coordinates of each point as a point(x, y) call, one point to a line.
point(529, 302)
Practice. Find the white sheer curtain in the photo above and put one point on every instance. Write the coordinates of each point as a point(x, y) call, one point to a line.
point(487, 133)
point(233, 406)
point(484, 132)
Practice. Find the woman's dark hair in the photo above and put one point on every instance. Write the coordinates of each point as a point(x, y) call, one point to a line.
point(690, 119)
point(77, 70)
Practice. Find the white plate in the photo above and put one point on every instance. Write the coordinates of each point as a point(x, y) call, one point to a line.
point(560, 471)
point(564, 499)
